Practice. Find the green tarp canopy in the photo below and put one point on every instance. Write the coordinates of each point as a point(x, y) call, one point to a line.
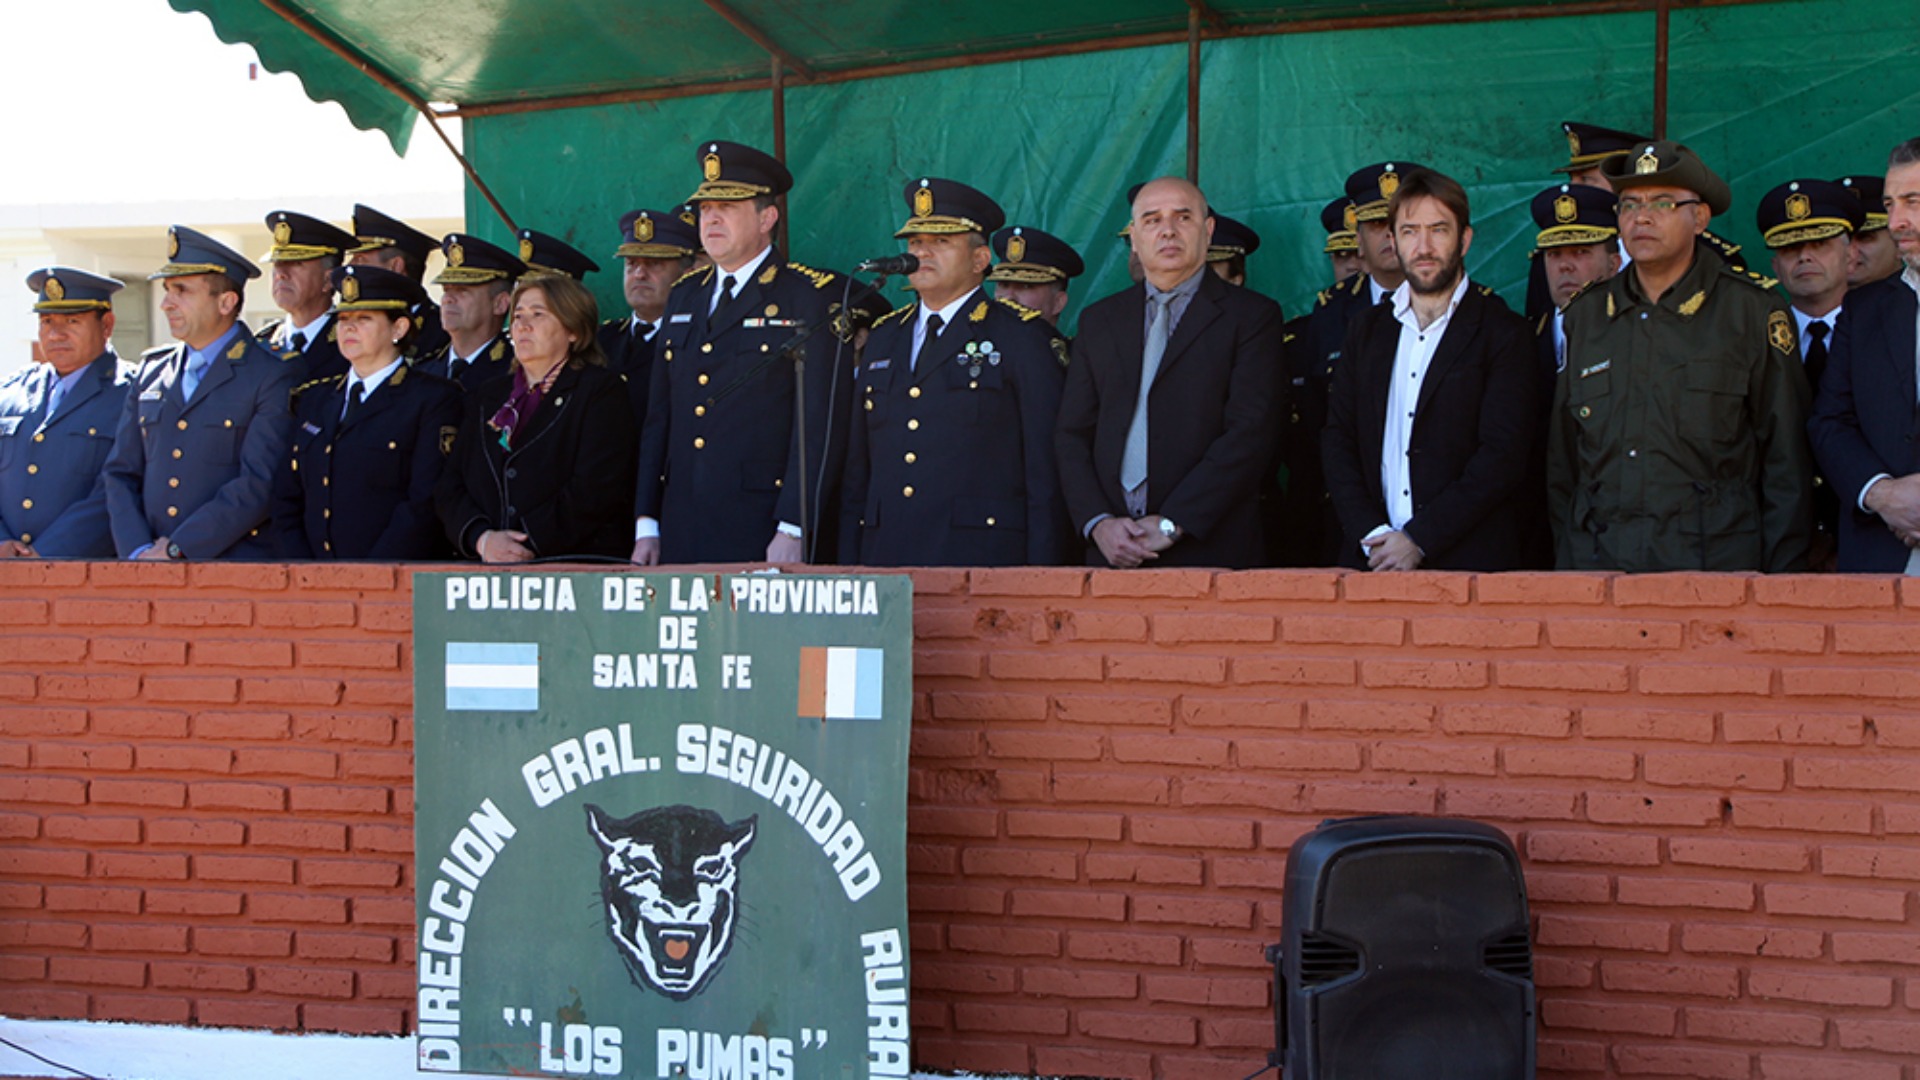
point(577, 111)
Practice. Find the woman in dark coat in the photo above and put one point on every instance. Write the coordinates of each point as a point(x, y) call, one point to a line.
point(369, 445)
point(543, 466)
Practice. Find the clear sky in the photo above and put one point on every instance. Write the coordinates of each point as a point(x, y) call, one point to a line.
point(110, 100)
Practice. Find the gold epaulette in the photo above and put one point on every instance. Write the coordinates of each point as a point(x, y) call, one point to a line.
point(1359, 284)
point(1320, 299)
point(895, 313)
point(820, 278)
point(330, 380)
point(1748, 277)
point(693, 273)
point(1026, 313)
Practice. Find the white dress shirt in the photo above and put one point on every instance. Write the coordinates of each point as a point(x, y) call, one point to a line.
point(947, 315)
point(739, 277)
point(372, 382)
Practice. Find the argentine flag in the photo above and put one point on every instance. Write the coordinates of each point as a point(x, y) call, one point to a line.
point(841, 683)
point(489, 676)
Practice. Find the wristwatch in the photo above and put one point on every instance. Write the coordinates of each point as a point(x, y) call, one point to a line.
point(1168, 529)
point(174, 552)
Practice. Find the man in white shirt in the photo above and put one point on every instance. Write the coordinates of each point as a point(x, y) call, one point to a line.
point(1433, 407)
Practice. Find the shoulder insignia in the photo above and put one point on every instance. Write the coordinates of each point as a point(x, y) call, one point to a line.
point(1692, 305)
point(892, 315)
point(1780, 332)
point(1359, 284)
point(329, 381)
point(1486, 290)
point(394, 379)
point(1060, 352)
point(696, 272)
point(1320, 300)
point(498, 352)
point(1611, 311)
point(605, 323)
point(332, 331)
point(1026, 313)
point(766, 276)
point(979, 312)
point(820, 278)
point(1285, 338)
point(447, 432)
point(1541, 326)
point(239, 350)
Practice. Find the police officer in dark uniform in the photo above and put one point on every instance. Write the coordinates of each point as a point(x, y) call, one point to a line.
point(206, 428)
point(1293, 501)
point(57, 422)
point(305, 250)
point(392, 244)
point(1033, 270)
point(721, 477)
point(1308, 534)
point(548, 254)
point(475, 289)
point(656, 250)
point(1342, 247)
point(1875, 255)
point(369, 445)
point(1679, 425)
point(951, 460)
point(1232, 242)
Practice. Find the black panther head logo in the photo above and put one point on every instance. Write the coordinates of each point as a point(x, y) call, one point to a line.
point(670, 878)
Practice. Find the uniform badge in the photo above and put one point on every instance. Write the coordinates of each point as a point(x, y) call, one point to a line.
point(766, 276)
point(1060, 350)
point(979, 313)
point(526, 249)
point(1565, 210)
point(642, 229)
point(710, 167)
point(1389, 183)
point(55, 290)
point(1799, 207)
point(772, 310)
point(687, 215)
point(1573, 143)
point(1016, 248)
point(1780, 332)
point(1693, 304)
point(456, 255)
point(446, 439)
point(239, 350)
point(282, 232)
point(349, 288)
point(923, 202)
point(173, 244)
point(1649, 162)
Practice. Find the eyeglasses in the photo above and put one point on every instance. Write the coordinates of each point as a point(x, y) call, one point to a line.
point(1630, 207)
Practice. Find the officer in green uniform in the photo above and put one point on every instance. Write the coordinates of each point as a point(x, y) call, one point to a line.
point(1679, 425)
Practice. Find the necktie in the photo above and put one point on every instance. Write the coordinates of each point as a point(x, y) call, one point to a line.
point(934, 325)
point(56, 390)
point(726, 293)
point(355, 395)
point(299, 341)
point(1133, 460)
point(197, 364)
point(642, 330)
point(1816, 353)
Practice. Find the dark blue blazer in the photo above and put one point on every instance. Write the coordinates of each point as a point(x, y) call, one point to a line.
point(1864, 418)
point(201, 472)
point(51, 496)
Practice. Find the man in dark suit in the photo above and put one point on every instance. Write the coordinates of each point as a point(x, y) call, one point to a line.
point(1866, 424)
point(206, 425)
point(950, 451)
point(305, 250)
point(1434, 405)
point(475, 289)
point(721, 477)
point(1172, 403)
point(657, 249)
point(57, 421)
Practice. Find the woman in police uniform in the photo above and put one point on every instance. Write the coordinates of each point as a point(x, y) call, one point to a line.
point(543, 466)
point(368, 446)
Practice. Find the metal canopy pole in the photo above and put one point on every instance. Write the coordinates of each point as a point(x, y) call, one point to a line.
point(780, 145)
point(1661, 11)
point(396, 88)
point(1193, 93)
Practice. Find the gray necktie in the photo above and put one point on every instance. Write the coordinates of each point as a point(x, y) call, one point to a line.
point(1133, 461)
point(197, 365)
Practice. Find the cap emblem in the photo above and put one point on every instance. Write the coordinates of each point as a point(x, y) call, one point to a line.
point(1016, 248)
point(711, 167)
point(173, 244)
point(456, 255)
point(1389, 183)
point(350, 288)
point(282, 232)
point(642, 229)
point(55, 290)
point(1573, 142)
point(1350, 217)
point(1649, 162)
point(1799, 208)
point(687, 215)
point(923, 202)
point(1565, 210)
point(526, 248)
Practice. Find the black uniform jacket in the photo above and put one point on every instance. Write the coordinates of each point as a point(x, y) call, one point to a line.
point(362, 487)
point(720, 452)
point(1473, 431)
point(950, 459)
point(1213, 419)
point(494, 361)
point(568, 481)
point(1864, 420)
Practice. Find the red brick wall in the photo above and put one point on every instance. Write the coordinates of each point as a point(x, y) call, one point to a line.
point(1714, 782)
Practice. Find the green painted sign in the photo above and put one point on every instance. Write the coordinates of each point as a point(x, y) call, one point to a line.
point(661, 824)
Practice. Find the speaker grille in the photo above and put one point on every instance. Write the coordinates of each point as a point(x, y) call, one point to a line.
point(1511, 955)
point(1323, 960)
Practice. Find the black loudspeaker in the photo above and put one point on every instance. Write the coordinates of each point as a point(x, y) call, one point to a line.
point(1404, 954)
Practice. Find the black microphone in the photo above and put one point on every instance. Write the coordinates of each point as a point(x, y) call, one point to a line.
point(891, 264)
